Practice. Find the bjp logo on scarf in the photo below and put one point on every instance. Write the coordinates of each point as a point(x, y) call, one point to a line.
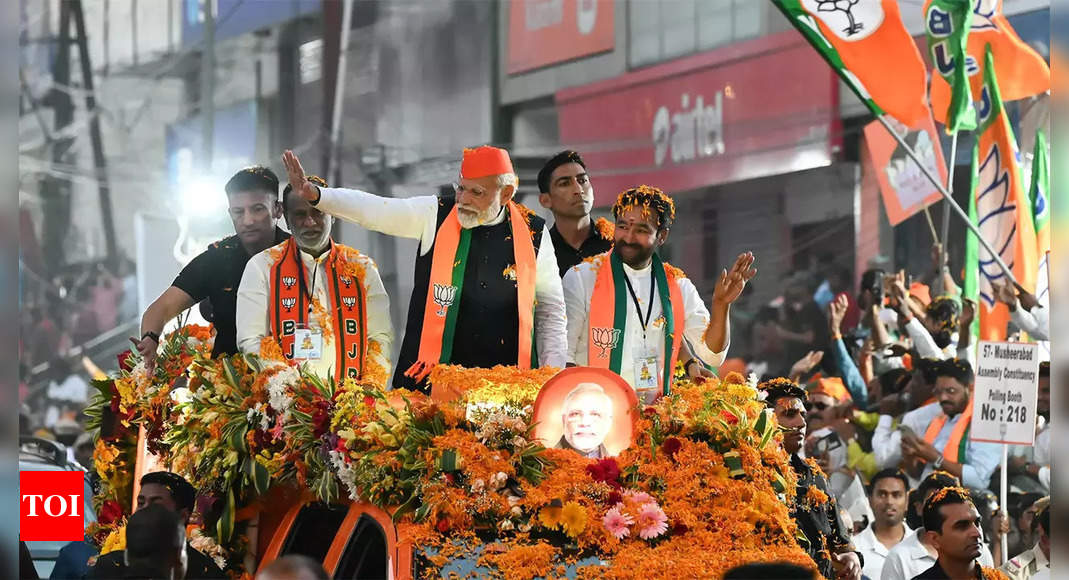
point(289, 281)
point(289, 303)
point(605, 338)
point(444, 295)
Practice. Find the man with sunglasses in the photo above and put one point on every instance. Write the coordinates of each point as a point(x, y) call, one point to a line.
point(935, 436)
point(486, 285)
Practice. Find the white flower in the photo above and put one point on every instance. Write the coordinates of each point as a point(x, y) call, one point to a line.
point(516, 511)
point(751, 380)
point(278, 387)
point(346, 473)
point(478, 486)
point(505, 525)
point(498, 479)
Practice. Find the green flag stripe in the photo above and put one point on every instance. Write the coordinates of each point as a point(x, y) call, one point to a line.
point(669, 320)
point(1038, 192)
point(947, 24)
point(619, 317)
point(460, 263)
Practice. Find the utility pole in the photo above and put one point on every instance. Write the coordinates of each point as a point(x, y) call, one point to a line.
point(99, 162)
point(207, 88)
point(55, 191)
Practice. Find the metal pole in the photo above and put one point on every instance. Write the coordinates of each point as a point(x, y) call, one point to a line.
point(950, 200)
point(1002, 493)
point(946, 212)
point(207, 87)
point(339, 88)
point(99, 161)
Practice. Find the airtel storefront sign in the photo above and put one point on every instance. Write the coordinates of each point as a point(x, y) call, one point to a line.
point(756, 108)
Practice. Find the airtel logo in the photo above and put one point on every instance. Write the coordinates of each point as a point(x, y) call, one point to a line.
point(692, 132)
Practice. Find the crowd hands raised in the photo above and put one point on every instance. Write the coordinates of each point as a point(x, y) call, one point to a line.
point(887, 406)
point(879, 378)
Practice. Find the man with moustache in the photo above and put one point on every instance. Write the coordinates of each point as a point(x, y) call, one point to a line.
point(487, 290)
point(632, 313)
point(565, 190)
point(214, 275)
point(827, 536)
point(586, 416)
point(952, 525)
point(888, 498)
point(322, 302)
point(935, 436)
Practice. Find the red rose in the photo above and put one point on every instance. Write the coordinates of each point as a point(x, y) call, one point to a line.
point(649, 412)
point(671, 446)
point(679, 528)
point(614, 498)
point(340, 446)
point(369, 401)
point(450, 478)
point(125, 363)
point(443, 525)
point(729, 418)
point(605, 470)
point(110, 513)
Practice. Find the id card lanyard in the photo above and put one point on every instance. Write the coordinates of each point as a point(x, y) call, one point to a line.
point(644, 322)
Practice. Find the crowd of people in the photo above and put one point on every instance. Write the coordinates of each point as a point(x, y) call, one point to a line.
point(871, 385)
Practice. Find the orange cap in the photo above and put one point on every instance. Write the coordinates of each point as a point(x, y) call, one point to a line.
point(485, 161)
point(832, 387)
point(921, 292)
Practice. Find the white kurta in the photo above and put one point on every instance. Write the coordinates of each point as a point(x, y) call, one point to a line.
point(252, 311)
point(417, 218)
point(578, 292)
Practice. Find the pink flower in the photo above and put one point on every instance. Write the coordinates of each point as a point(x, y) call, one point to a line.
point(651, 521)
point(617, 522)
point(639, 497)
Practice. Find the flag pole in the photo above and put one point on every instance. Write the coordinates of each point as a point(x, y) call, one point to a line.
point(931, 224)
point(946, 196)
point(946, 212)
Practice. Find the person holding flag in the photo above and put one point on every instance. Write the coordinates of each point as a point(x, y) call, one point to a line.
point(631, 312)
point(487, 290)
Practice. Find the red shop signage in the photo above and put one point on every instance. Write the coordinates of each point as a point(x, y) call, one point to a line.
point(755, 108)
point(545, 32)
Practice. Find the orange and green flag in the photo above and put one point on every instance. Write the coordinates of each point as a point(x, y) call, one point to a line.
point(947, 24)
point(1038, 198)
point(1003, 211)
point(1021, 71)
point(869, 47)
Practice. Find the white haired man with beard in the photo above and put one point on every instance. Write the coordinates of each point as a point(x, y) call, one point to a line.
point(586, 416)
point(486, 288)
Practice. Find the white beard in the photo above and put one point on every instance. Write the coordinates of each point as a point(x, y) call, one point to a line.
point(468, 221)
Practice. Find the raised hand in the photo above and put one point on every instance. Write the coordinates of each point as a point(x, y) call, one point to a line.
point(836, 313)
point(298, 182)
point(805, 364)
point(1004, 293)
point(968, 313)
point(731, 283)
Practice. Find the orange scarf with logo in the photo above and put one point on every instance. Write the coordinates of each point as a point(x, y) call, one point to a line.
point(959, 438)
point(290, 300)
point(447, 283)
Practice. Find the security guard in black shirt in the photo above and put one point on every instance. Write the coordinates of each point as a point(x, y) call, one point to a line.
point(566, 191)
point(815, 510)
point(215, 273)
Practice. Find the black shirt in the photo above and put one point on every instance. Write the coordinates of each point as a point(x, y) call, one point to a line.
point(199, 566)
point(936, 573)
point(567, 256)
point(819, 522)
point(215, 275)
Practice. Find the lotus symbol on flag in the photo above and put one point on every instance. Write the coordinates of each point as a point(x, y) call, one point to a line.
point(605, 338)
point(444, 295)
point(849, 19)
point(349, 301)
point(346, 280)
point(996, 211)
point(289, 303)
point(289, 281)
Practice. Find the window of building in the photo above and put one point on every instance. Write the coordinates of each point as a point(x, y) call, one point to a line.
point(661, 30)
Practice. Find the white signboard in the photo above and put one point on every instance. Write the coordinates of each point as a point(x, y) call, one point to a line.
point(1004, 398)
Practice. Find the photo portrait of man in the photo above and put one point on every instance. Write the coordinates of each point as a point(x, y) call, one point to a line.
point(586, 417)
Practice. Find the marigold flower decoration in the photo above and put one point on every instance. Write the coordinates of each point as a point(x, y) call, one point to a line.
point(573, 518)
point(617, 523)
point(652, 521)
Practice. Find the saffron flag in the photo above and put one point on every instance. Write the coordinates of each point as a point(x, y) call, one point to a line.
point(1002, 208)
point(947, 24)
point(869, 47)
point(1020, 70)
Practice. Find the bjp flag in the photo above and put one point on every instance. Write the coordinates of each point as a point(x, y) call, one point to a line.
point(1021, 71)
point(1003, 211)
point(1038, 194)
point(868, 46)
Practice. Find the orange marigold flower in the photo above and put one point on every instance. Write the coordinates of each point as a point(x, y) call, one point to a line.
point(549, 517)
point(573, 518)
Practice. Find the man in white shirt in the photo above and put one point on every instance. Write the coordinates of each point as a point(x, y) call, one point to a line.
point(888, 497)
point(935, 436)
point(1034, 564)
point(630, 312)
point(324, 303)
point(1029, 465)
point(486, 272)
point(915, 554)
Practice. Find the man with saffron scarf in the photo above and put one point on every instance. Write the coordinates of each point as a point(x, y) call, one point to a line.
point(632, 313)
point(487, 291)
point(936, 436)
point(322, 303)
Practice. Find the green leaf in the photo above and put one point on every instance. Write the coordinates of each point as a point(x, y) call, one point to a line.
point(761, 424)
point(225, 525)
point(448, 460)
point(405, 508)
point(230, 374)
point(261, 478)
